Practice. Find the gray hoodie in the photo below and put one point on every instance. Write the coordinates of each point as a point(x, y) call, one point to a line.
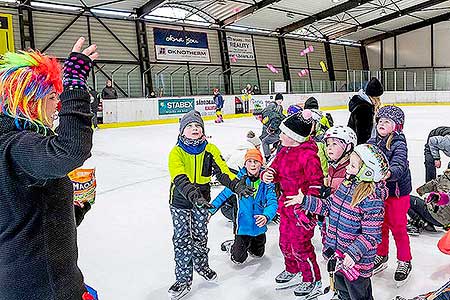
point(439, 143)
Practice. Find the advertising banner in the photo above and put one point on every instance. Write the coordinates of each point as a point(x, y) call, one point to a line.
point(179, 45)
point(240, 47)
point(206, 106)
point(175, 106)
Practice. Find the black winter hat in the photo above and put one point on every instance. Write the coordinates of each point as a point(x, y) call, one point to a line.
point(374, 88)
point(298, 126)
point(278, 96)
point(311, 103)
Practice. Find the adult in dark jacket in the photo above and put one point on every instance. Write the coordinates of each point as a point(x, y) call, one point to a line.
point(38, 242)
point(363, 107)
point(109, 92)
point(438, 140)
point(272, 116)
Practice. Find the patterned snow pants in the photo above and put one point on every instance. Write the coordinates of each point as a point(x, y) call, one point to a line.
point(190, 238)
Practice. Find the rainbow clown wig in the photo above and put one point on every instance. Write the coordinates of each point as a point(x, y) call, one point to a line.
point(26, 78)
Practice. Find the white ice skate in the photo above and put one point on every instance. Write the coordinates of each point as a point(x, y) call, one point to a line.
point(178, 290)
point(286, 280)
point(308, 290)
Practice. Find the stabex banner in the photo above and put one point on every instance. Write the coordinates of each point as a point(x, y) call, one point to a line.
point(179, 45)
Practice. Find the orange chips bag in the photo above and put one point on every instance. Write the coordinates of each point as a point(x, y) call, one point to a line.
point(84, 185)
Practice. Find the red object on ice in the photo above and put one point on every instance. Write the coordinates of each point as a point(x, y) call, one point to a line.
point(444, 243)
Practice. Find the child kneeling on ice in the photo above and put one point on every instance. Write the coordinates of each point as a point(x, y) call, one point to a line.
point(253, 212)
point(191, 164)
point(355, 213)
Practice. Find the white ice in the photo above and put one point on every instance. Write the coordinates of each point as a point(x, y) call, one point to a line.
point(125, 242)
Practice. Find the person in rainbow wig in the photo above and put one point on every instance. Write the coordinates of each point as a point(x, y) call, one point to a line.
point(38, 244)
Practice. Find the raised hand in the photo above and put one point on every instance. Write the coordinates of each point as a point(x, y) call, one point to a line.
point(89, 51)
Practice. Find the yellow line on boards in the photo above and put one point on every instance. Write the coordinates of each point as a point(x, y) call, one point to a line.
point(234, 116)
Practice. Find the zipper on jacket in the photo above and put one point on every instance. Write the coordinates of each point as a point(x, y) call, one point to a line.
point(195, 168)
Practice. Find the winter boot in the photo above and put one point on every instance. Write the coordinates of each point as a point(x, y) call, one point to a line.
point(380, 264)
point(221, 119)
point(401, 275)
point(308, 290)
point(208, 274)
point(286, 280)
point(178, 290)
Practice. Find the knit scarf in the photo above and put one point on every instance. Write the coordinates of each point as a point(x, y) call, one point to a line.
point(191, 146)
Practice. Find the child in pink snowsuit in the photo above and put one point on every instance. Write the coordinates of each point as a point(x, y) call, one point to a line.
point(391, 140)
point(297, 167)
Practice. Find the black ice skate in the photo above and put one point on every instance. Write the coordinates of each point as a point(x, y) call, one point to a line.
point(414, 228)
point(208, 274)
point(402, 273)
point(226, 246)
point(380, 264)
point(178, 290)
point(308, 290)
point(286, 280)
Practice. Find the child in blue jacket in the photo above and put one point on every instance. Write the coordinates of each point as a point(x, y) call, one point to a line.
point(253, 213)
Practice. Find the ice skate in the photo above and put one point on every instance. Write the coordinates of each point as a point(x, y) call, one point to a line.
point(402, 273)
point(178, 290)
point(308, 290)
point(380, 264)
point(286, 280)
point(226, 246)
point(208, 274)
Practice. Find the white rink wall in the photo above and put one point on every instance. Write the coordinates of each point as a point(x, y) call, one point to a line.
point(145, 109)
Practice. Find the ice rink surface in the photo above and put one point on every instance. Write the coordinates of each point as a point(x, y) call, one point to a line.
point(125, 240)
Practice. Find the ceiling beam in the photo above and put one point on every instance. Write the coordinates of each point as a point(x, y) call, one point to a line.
point(335, 10)
point(386, 18)
point(405, 29)
point(148, 7)
point(247, 11)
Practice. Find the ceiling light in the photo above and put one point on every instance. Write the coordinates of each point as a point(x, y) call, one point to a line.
point(54, 6)
point(222, 2)
point(335, 1)
point(383, 12)
point(111, 12)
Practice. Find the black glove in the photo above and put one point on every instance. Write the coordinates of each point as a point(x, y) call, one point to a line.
point(242, 189)
point(76, 71)
point(199, 201)
point(81, 211)
point(276, 219)
point(325, 192)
